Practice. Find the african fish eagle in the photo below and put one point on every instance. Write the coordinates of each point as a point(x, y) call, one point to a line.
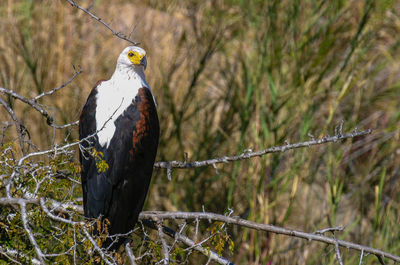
point(119, 121)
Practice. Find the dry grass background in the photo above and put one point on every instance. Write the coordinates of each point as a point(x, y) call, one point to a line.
point(232, 75)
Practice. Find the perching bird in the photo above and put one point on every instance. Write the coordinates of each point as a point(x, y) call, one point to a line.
point(121, 125)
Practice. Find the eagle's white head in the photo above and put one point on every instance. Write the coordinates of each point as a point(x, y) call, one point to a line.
point(132, 56)
point(129, 71)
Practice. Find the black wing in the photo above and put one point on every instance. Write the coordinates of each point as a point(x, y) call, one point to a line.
point(94, 187)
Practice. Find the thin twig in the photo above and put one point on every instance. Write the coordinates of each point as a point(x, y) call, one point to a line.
point(51, 92)
point(381, 261)
point(329, 229)
point(211, 254)
point(62, 207)
point(65, 125)
point(115, 33)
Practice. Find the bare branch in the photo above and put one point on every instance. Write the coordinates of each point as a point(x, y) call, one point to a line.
point(103, 254)
point(361, 257)
point(13, 254)
point(187, 241)
point(24, 218)
point(57, 218)
point(329, 229)
point(211, 254)
point(130, 255)
point(19, 127)
point(164, 243)
point(115, 33)
point(333, 230)
point(33, 104)
point(250, 154)
point(264, 227)
point(337, 250)
point(10, 254)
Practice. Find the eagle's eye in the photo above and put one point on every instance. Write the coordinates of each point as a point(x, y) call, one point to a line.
point(130, 54)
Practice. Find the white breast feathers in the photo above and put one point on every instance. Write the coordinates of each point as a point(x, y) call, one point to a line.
point(113, 97)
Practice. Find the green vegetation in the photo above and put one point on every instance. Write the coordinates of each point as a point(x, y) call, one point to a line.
point(227, 76)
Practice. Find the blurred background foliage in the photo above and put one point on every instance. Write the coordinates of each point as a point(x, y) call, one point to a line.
point(235, 75)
